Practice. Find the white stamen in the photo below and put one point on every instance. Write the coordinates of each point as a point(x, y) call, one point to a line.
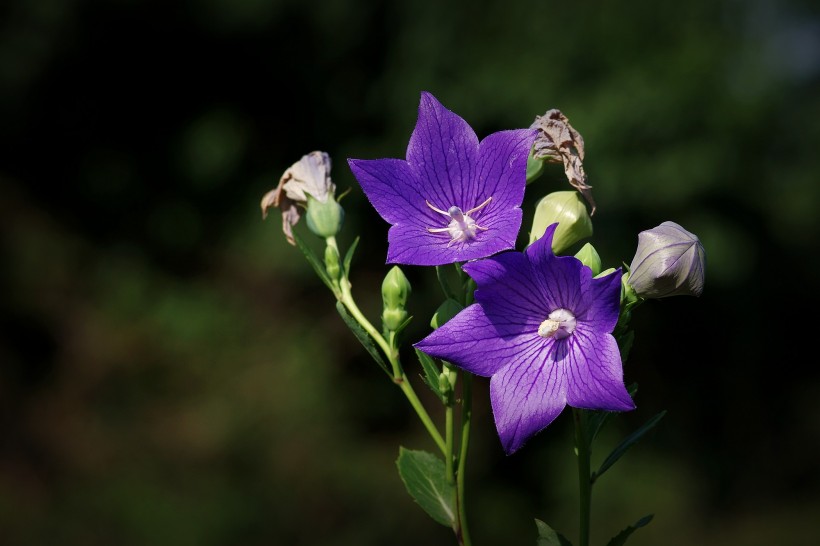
point(461, 227)
point(559, 324)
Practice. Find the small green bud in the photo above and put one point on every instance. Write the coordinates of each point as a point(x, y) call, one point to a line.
point(444, 385)
point(324, 218)
point(535, 167)
point(445, 312)
point(569, 211)
point(590, 258)
point(395, 289)
point(332, 262)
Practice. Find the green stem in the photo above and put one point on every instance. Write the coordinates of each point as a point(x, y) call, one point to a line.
point(392, 354)
point(584, 480)
point(466, 416)
point(448, 439)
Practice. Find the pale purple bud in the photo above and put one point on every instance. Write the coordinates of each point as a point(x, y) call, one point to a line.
point(670, 261)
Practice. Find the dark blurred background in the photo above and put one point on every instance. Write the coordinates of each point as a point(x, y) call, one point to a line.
point(172, 373)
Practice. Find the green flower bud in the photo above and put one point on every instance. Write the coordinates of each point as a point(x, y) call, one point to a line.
point(590, 258)
point(324, 218)
point(445, 312)
point(669, 261)
point(395, 290)
point(535, 167)
point(566, 208)
point(332, 262)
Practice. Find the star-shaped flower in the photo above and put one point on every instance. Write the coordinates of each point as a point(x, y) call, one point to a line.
point(454, 198)
point(541, 329)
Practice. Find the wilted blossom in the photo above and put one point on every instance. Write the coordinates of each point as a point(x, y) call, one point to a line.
point(670, 261)
point(559, 142)
point(310, 176)
point(541, 329)
point(453, 198)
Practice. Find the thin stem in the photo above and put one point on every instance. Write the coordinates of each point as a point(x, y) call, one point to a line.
point(448, 439)
point(584, 481)
point(466, 416)
point(392, 354)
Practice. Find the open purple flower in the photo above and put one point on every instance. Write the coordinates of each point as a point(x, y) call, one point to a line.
point(454, 199)
point(541, 328)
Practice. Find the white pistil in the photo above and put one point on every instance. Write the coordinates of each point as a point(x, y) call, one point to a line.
point(461, 227)
point(559, 324)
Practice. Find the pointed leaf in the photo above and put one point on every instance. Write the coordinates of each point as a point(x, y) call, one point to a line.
point(363, 337)
point(423, 475)
point(620, 538)
point(318, 266)
point(547, 536)
point(597, 418)
point(628, 442)
point(431, 372)
point(349, 254)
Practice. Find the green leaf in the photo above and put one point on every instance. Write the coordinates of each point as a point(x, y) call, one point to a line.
point(625, 344)
point(431, 372)
point(318, 266)
point(597, 418)
point(620, 538)
point(547, 536)
point(423, 475)
point(349, 254)
point(628, 442)
point(363, 337)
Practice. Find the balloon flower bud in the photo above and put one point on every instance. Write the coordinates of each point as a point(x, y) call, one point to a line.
point(569, 211)
point(589, 257)
point(324, 218)
point(395, 289)
point(669, 261)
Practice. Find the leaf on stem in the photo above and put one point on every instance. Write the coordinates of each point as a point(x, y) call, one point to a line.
point(349, 255)
point(363, 337)
point(314, 261)
point(620, 538)
point(431, 373)
point(547, 536)
point(424, 476)
point(628, 442)
point(597, 418)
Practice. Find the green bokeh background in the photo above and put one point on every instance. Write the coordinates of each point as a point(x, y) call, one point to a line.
point(172, 373)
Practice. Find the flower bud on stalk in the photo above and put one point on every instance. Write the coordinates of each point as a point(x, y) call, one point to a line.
point(324, 218)
point(569, 211)
point(395, 289)
point(589, 257)
point(670, 261)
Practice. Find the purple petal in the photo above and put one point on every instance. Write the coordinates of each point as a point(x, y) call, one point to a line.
point(390, 186)
point(602, 303)
point(506, 287)
point(595, 372)
point(443, 153)
point(477, 343)
point(502, 167)
point(527, 395)
point(411, 242)
point(561, 279)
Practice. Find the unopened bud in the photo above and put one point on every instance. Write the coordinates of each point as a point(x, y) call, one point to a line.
point(569, 211)
point(670, 261)
point(395, 290)
point(332, 262)
point(324, 218)
point(590, 258)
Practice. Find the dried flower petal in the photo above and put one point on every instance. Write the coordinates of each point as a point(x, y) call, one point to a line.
point(308, 176)
point(559, 142)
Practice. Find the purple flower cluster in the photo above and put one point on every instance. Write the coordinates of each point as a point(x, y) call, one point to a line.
point(541, 325)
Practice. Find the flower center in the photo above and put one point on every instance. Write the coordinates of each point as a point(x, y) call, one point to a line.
point(461, 226)
point(559, 324)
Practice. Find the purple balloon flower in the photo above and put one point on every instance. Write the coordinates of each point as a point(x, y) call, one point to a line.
point(454, 199)
point(541, 328)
